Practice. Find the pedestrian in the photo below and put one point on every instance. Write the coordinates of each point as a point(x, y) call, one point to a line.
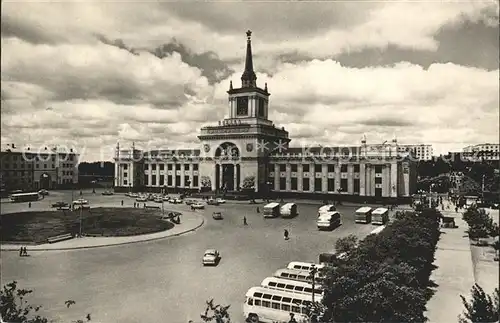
point(245, 220)
point(286, 234)
point(21, 252)
point(258, 210)
point(144, 205)
point(292, 318)
point(29, 205)
point(25, 251)
point(122, 202)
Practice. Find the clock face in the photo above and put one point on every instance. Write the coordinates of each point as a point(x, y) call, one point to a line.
point(206, 148)
point(249, 147)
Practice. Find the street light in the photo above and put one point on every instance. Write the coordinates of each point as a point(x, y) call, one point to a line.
point(313, 279)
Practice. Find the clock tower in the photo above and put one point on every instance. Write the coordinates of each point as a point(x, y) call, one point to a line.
point(235, 153)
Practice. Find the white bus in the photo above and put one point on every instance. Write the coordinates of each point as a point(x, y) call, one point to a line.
point(272, 210)
point(299, 265)
point(326, 209)
point(329, 220)
point(363, 215)
point(289, 210)
point(380, 216)
point(294, 274)
point(24, 197)
point(293, 286)
point(270, 306)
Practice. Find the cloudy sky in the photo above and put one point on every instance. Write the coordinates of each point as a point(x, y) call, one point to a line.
point(89, 74)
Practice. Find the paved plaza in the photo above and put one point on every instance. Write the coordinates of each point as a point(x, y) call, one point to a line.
point(164, 280)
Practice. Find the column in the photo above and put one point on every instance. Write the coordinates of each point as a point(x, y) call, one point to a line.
point(350, 179)
point(368, 182)
point(131, 175)
point(235, 178)
point(157, 175)
point(238, 176)
point(276, 177)
point(117, 179)
point(150, 175)
point(337, 177)
point(324, 178)
point(362, 179)
point(299, 177)
point(214, 178)
point(385, 181)
point(288, 177)
point(221, 171)
point(372, 181)
point(394, 179)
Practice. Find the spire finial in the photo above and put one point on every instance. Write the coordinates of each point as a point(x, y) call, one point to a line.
point(230, 85)
point(363, 139)
point(248, 79)
point(265, 87)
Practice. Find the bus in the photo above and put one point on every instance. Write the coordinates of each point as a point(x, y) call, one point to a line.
point(380, 216)
point(24, 197)
point(299, 265)
point(269, 306)
point(272, 210)
point(294, 274)
point(363, 215)
point(326, 209)
point(293, 286)
point(81, 204)
point(289, 210)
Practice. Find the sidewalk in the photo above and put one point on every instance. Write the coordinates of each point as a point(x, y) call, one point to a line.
point(454, 274)
point(190, 221)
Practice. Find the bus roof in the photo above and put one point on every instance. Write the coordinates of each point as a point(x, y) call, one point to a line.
point(326, 207)
point(364, 209)
point(24, 194)
point(380, 210)
point(292, 271)
point(272, 205)
point(302, 263)
point(259, 289)
point(265, 282)
point(288, 204)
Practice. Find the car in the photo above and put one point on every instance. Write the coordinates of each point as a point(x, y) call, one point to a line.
point(197, 206)
point(189, 202)
point(211, 257)
point(43, 192)
point(141, 199)
point(171, 200)
point(212, 202)
point(60, 204)
point(158, 200)
point(107, 193)
point(177, 201)
point(217, 216)
point(220, 201)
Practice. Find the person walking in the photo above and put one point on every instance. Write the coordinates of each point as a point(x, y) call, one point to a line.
point(245, 220)
point(122, 202)
point(29, 205)
point(286, 234)
point(258, 210)
point(26, 251)
point(21, 252)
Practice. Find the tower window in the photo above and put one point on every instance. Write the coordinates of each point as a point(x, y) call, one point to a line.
point(242, 106)
point(261, 111)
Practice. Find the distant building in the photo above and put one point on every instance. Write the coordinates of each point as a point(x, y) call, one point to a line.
point(32, 169)
point(482, 152)
point(419, 151)
point(247, 150)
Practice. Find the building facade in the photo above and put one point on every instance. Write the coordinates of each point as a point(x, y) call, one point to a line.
point(419, 151)
point(482, 152)
point(248, 151)
point(30, 169)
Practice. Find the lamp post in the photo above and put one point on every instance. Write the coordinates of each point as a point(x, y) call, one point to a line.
point(313, 279)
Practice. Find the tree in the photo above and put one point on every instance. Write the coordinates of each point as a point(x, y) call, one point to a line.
point(248, 183)
point(14, 306)
point(216, 313)
point(480, 223)
point(482, 307)
point(346, 244)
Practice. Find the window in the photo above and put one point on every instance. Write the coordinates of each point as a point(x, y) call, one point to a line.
point(378, 180)
point(295, 309)
point(378, 169)
point(162, 180)
point(153, 180)
point(195, 181)
point(317, 168)
point(282, 168)
point(177, 166)
point(293, 168)
point(146, 166)
point(266, 304)
point(282, 183)
point(162, 166)
point(331, 168)
point(305, 184)
point(343, 184)
point(317, 185)
point(262, 109)
point(44, 166)
point(125, 166)
point(153, 167)
point(294, 183)
point(146, 180)
point(356, 185)
point(356, 168)
point(187, 181)
point(124, 174)
point(242, 106)
point(257, 302)
point(378, 192)
point(177, 181)
point(125, 182)
point(331, 184)
point(169, 166)
point(186, 166)
point(276, 306)
point(285, 307)
point(305, 168)
point(343, 168)
point(169, 180)
point(195, 166)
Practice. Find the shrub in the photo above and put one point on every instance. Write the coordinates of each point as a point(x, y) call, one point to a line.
point(482, 307)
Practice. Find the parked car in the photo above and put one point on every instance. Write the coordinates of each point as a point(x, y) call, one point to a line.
point(212, 202)
point(141, 199)
point(43, 192)
point(189, 202)
point(165, 198)
point(197, 206)
point(107, 193)
point(220, 201)
point(177, 201)
point(211, 257)
point(60, 204)
point(217, 216)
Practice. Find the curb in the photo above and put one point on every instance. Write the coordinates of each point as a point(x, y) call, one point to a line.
point(116, 244)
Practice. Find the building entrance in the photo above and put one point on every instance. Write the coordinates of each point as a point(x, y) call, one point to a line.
point(45, 181)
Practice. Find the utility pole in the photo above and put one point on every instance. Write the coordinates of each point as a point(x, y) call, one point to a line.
point(81, 229)
point(313, 279)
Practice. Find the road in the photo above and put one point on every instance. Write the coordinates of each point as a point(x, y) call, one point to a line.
point(164, 280)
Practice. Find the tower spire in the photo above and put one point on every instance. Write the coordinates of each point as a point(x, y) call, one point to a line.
point(248, 79)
